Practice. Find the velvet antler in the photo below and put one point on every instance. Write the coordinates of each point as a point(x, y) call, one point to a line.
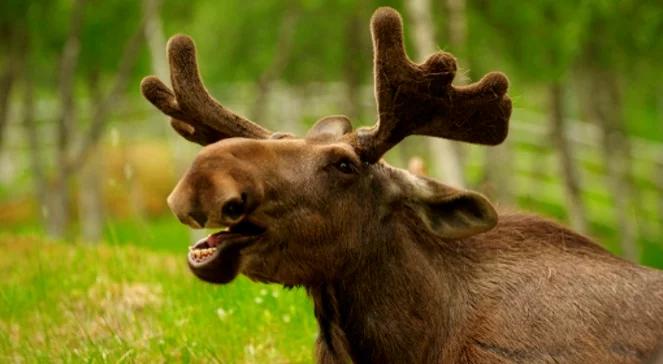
point(195, 114)
point(419, 99)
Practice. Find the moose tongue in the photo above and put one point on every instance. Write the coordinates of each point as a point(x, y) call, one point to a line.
point(214, 240)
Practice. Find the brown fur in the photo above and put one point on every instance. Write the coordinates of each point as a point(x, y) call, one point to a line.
point(527, 291)
point(403, 269)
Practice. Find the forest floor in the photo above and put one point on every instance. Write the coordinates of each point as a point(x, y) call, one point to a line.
point(66, 302)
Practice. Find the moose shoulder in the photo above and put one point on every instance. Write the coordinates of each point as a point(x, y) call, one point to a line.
point(401, 268)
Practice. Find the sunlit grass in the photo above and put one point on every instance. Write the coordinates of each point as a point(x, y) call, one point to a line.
point(119, 303)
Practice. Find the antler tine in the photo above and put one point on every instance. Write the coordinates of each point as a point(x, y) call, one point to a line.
point(419, 98)
point(196, 115)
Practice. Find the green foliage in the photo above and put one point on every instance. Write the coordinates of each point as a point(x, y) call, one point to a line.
point(541, 38)
point(106, 27)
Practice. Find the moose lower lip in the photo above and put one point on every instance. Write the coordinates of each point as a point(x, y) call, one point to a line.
point(201, 252)
point(222, 264)
point(217, 253)
point(206, 249)
point(216, 258)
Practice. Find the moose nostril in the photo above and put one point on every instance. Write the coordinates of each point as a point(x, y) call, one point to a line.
point(234, 208)
point(199, 216)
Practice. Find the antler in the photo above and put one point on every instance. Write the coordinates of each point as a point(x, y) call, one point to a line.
point(419, 99)
point(195, 114)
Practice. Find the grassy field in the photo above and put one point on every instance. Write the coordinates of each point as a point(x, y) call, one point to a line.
point(119, 303)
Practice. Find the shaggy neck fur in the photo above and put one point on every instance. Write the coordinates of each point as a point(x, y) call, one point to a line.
point(412, 290)
point(526, 291)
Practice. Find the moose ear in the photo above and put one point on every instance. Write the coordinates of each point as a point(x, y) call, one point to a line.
point(330, 127)
point(454, 214)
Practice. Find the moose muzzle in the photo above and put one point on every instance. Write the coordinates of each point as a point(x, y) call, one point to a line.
point(203, 202)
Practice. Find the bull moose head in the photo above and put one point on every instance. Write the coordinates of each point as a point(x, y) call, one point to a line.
point(300, 211)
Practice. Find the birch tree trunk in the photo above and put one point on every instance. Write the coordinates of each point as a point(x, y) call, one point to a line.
point(497, 161)
point(567, 165)
point(352, 67)
point(446, 161)
point(59, 213)
point(34, 146)
point(90, 191)
point(497, 174)
point(457, 26)
point(156, 42)
point(15, 50)
point(90, 198)
point(282, 53)
point(103, 105)
point(604, 102)
point(87, 160)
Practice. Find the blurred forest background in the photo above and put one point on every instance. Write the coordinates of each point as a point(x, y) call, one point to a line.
point(85, 160)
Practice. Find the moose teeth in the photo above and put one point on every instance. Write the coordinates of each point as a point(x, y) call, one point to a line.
point(202, 253)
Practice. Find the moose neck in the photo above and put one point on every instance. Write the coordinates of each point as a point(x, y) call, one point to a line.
point(403, 294)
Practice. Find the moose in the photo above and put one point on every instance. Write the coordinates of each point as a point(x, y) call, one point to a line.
point(400, 268)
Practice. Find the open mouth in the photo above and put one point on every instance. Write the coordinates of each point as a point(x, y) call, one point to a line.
point(215, 258)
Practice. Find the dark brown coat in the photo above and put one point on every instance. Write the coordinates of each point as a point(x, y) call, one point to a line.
point(528, 291)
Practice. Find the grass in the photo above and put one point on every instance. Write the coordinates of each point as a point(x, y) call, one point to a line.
point(62, 302)
point(162, 233)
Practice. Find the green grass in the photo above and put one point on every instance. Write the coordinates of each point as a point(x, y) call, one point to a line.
point(63, 302)
point(163, 233)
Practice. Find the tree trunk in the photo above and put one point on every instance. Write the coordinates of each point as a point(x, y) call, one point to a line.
point(497, 160)
point(446, 161)
point(352, 62)
point(90, 189)
point(90, 198)
point(103, 106)
point(538, 166)
point(457, 26)
point(87, 158)
point(34, 147)
point(497, 175)
point(15, 55)
point(59, 206)
point(573, 192)
point(156, 42)
point(282, 53)
point(604, 101)
point(156, 45)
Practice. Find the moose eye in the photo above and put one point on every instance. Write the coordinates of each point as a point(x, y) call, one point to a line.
point(345, 166)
